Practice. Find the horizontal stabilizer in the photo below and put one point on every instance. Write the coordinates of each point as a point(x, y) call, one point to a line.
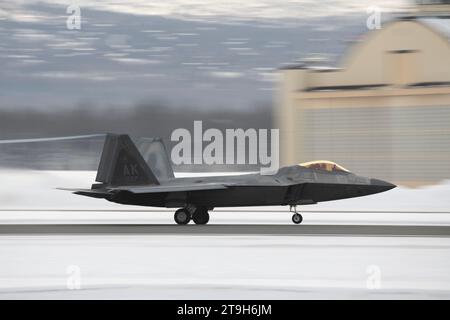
point(87, 192)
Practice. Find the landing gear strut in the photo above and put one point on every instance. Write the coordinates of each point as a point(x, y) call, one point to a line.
point(296, 217)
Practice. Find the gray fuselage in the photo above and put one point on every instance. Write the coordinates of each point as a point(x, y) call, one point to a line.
point(293, 185)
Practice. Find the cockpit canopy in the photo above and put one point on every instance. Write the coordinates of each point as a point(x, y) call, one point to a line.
point(324, 165)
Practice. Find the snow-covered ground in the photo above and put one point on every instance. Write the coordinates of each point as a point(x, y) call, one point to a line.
point(218, 267)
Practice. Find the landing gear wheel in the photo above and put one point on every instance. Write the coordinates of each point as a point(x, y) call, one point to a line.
point(182, 216)
point(200, 216)
point(297, 218)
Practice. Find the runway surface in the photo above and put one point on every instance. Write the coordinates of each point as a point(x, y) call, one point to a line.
point(240, 254)
point(229, 229)
point(56, 245)
point(136, 266)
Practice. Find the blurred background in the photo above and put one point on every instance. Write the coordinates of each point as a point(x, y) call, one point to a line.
point(362, 83)
point(383, 110)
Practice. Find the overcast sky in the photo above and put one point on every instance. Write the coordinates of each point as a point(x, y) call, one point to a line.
point(214, 9)
point(206, 53)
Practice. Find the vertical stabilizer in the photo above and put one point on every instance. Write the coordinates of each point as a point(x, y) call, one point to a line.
point(155, 154)
point(121, 164)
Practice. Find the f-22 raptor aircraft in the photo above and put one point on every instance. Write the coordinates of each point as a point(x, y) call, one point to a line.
point(125, 177)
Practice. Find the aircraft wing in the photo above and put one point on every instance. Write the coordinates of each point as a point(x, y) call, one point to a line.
point(174, 188)
point(101, 193)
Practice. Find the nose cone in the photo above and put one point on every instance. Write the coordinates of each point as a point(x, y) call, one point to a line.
point(380, 185)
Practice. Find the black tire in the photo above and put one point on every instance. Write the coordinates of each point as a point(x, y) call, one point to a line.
point(200, 216)
point(182, 216)
point(297, 218)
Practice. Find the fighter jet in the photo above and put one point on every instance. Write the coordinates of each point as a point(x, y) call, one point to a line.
point(124, 177)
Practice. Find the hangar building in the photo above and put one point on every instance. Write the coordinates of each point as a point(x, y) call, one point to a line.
point(385, 112)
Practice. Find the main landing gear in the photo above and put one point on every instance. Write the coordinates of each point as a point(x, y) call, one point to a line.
point(296, 217)
point(199, 215)
point(182, 216)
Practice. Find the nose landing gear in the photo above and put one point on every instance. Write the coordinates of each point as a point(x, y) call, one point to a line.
point(296, 217)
